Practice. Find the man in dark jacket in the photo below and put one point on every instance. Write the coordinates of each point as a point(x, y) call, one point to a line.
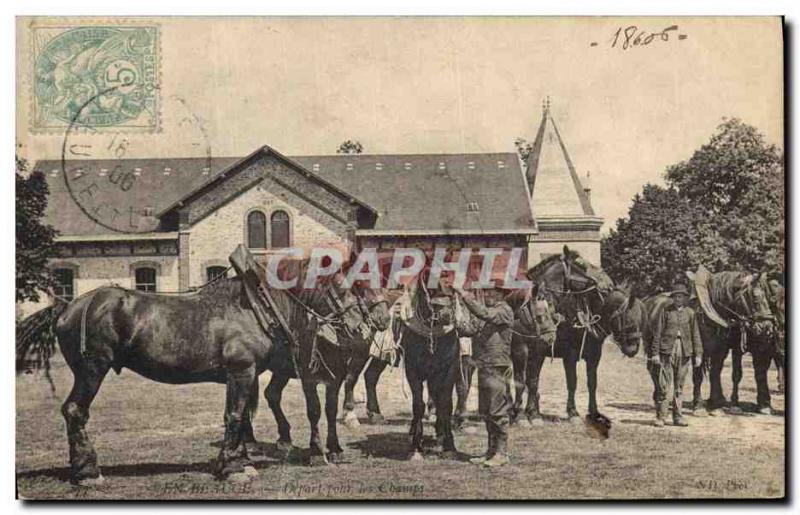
point(674, 345)
point(492, 356)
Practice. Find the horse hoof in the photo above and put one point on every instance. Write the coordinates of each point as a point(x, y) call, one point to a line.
point(284, 446)
point(317, 460)
point(416, 456)
point(448, 455)
point(574, 419)
point(335, 457)
point(713, 412)
point(699, 412)
point(351, 420)
point(766, 410)
point(375, 418)
point(735, 409)
point(536, 421)
point(90, 482)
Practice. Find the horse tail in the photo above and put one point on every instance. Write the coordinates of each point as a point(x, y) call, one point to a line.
point(36, 339)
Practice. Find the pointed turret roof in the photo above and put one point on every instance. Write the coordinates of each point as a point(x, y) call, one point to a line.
point(555, 187)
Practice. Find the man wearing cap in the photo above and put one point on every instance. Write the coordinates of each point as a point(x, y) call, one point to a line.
point(492, 356)
point(674, 345)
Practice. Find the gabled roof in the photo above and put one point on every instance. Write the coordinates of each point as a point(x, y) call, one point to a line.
point(411, 194)
point(554, 184)
point(434, 193)
point(266, 150)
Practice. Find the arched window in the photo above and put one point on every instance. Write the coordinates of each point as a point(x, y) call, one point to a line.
point(64, 287)
point(279, 230)
point(213, 272)
point(146, 279)
point(257, 230)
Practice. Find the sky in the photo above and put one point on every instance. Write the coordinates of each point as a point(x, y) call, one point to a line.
point(450, 85)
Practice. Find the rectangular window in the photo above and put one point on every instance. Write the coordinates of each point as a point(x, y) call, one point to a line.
point(213, 272)
point(64, 288)
point(146, 279)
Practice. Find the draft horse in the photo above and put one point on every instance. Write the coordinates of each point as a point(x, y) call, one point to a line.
point(207, 336)
point(593, 311)
point(739, 300)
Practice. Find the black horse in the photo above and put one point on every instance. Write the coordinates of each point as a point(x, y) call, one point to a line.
point(593, 311)
point(739, 300)
point(324, 362)
point(209, 336)
point(432, 355)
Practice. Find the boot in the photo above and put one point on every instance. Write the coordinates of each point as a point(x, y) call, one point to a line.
point(660, 414)
point(500, 457)
point(489, 451)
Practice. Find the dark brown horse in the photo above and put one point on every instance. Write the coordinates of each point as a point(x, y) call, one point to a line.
point(327, 363)
point(740, 301)
point(209, 336)
point(593, 310)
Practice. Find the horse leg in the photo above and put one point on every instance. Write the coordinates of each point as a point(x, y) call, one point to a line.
point(591, 383)
point(335, 451)
point(417, 413)
point(88, 376)
point(570, 362)
point(463, 385)
point(535, 363)
point(781, 375)
point(697, 394)
point(520, 355)
point(249, 413)
point(444, 407)
point(354, 367)
point(717, 399)
point(761, 362)
point(273, 394)
point(736, 377)
point(314, 411)
point(233, 458)
point(371, 377)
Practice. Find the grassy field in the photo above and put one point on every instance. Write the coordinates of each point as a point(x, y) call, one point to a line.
point(155, 441)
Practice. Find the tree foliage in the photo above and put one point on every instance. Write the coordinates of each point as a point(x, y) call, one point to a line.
point(723, 208)
point(350, 147)
point(35, 243)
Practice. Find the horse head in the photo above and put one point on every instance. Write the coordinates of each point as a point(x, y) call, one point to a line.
point(624, 315)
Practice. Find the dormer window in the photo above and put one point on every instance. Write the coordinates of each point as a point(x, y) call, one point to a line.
point(472, 207)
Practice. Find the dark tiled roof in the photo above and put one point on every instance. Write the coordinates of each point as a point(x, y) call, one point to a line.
point(153, 188)
point(429, 192)
point(432, 191)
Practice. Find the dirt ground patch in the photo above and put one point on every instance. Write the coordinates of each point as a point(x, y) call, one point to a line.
point(155, 441)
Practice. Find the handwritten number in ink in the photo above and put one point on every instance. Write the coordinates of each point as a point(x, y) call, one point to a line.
point(631, 36)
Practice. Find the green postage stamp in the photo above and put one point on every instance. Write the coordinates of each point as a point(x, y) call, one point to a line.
point(101, 76)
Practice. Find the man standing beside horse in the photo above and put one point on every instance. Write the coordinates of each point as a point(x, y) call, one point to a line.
point(674, 345)
point(492, 355)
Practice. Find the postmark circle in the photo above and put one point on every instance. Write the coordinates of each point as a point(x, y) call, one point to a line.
point(106, 183)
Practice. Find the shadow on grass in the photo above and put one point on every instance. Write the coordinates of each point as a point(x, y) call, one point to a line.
point(648, 423)
point(632, 406)
point(126, 470)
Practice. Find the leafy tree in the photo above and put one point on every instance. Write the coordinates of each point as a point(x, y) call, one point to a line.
point(34, 238)
point(722, 208)
point(350, 147)
point(738, 180)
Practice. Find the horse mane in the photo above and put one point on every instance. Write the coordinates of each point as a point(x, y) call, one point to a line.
point(723, 286)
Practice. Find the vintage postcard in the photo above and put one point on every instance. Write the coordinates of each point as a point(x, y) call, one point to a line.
point(400, 258)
